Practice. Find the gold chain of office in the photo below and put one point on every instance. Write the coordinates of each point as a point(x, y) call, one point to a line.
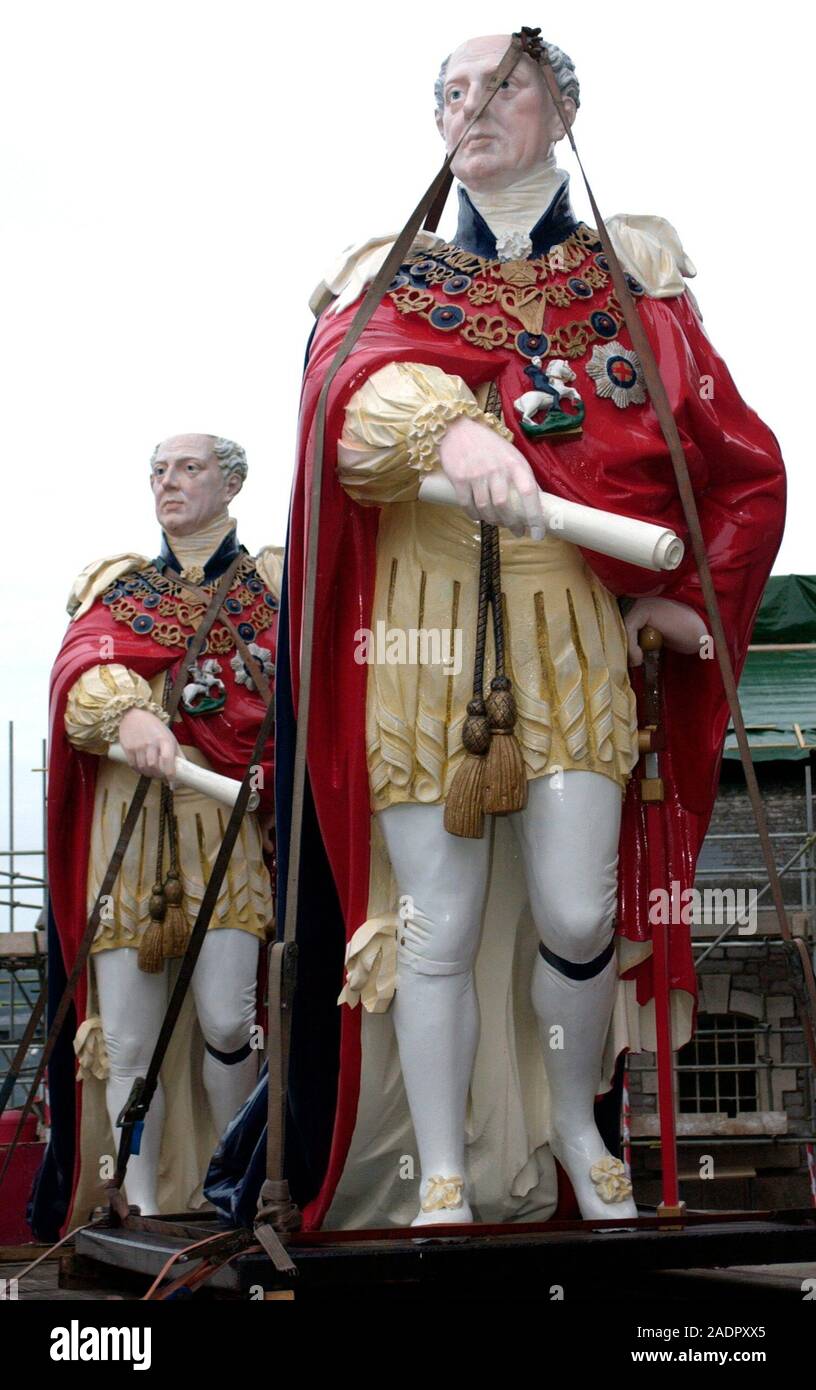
point(511, 297)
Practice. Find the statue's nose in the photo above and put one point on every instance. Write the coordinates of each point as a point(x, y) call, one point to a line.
point(472, 101)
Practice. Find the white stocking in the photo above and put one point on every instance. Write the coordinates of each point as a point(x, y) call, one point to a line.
point(435, 1010)
point(568, 834)
point(569, 840)
point(224, 986)
point(132, 1005)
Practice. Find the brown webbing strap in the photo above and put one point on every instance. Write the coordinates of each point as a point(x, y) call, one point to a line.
point(276, 1211)
point(130, 822)
point(138, 1103)
point(252, 664)
point(438, 205)
point(668, 426)
point(429, 207)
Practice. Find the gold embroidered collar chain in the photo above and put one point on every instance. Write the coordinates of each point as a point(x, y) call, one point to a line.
point(511, 297)
point(156, 605)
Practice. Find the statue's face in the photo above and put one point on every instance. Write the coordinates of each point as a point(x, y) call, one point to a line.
point(188, 484)
point(519, 127)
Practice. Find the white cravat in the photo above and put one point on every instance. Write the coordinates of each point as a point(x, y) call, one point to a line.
point(193, 552)
point(512, 212)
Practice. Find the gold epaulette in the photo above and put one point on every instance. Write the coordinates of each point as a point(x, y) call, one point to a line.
point(95, 578)
point(651, 250)
point(269, 564)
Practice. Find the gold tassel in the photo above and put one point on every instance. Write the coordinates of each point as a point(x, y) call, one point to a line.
point(151, 946)
point(505, 779)
point(464, 815)
point(176, 926)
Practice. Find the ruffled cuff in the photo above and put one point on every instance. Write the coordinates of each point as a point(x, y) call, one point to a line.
point(97, 702)
point(430, 423)
point(392, 428)
point(371, 964)
point(119, 706)
point(91, 1050)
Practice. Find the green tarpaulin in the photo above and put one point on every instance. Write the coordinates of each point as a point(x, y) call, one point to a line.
point(788, 610)
point(778, 688)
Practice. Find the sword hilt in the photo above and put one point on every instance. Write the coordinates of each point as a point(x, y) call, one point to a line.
point(651, 738)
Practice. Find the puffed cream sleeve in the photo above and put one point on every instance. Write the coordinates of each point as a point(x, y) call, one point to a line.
point(392, 428)
point(97, 701)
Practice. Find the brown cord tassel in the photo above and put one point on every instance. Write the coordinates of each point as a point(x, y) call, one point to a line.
point(504, 787)
point(168, 930)
point(492, 777)
point(176, 925)
point(464, 815)
point(151, 946)
point(505, 777)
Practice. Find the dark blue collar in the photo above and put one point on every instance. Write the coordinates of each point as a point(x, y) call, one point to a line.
point(218, 562)
point(556, 224)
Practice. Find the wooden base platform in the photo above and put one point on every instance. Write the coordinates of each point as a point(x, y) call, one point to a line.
point(656, 1257)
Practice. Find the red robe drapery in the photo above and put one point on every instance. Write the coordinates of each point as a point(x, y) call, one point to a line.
point(620, 464)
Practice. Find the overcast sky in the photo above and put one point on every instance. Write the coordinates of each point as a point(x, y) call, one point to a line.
point(177, 176)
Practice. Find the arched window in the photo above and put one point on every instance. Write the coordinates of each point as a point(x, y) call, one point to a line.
point(717, 1069)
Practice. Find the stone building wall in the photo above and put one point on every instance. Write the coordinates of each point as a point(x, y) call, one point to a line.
point(750, 979)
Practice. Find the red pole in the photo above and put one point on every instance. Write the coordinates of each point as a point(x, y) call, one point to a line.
point(660, 985)
point(627, 1122)
point(811, 1163)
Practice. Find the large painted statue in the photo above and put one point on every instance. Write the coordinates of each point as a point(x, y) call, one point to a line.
point(132, 620)
point(493, 978)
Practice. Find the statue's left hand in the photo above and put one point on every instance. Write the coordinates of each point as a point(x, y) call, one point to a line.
point(681, 627)
point(267, 824)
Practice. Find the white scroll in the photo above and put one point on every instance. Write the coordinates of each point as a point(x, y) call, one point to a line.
point(199, 779)
point(624, 538)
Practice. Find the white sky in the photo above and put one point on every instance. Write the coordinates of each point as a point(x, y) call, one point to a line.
point(176, 176)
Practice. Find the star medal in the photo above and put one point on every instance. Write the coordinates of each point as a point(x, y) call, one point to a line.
point(617, 373)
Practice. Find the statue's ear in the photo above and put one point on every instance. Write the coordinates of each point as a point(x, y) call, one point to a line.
point(440, 127)
point(233, 486)
point(571, 111)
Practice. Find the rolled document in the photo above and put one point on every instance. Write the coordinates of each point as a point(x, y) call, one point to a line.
point(637, 542)
point(199, 779)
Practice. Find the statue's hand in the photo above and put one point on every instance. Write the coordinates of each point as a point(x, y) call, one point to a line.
point(681, 627)
point(493, 481)
point(267, 828)
point(148, 744)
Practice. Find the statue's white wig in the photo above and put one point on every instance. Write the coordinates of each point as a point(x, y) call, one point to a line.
point(562, 66)
point(231, 457)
